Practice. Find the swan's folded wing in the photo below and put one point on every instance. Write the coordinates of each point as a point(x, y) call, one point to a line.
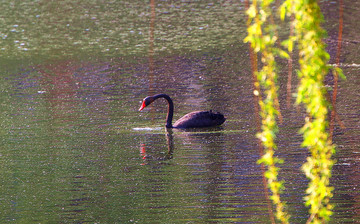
point(198, 119)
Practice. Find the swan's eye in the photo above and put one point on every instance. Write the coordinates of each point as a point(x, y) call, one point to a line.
point(148, 101)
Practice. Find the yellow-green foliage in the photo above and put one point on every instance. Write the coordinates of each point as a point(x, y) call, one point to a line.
point(311, 92)
point(264, 41)
point(313, 67)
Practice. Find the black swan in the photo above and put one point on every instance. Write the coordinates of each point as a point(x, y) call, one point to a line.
point(196, 119)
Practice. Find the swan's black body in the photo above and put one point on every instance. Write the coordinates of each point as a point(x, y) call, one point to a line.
point(196, 119)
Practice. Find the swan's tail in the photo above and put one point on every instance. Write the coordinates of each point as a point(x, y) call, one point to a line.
point(217, 117)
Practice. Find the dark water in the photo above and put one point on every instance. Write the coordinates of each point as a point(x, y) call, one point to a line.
point(75, 149)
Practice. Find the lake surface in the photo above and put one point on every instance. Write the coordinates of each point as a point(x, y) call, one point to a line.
point(75, 149)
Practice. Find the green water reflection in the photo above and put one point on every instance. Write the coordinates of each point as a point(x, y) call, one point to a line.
point(115, 28)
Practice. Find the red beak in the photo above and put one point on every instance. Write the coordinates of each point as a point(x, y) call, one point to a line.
point(142, 106)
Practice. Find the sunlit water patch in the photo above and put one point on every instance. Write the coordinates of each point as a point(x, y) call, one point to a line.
point(148, 129)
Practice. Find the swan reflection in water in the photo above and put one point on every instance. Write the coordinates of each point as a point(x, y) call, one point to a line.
point(198, 137)
point(169, 155)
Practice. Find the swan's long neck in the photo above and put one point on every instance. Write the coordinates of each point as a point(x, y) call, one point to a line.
point(170, 113)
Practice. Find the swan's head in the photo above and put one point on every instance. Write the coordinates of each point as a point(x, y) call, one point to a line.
point(146, 102)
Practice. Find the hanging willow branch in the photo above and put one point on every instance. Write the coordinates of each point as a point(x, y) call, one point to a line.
point(264, 42)
point(313, 60)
